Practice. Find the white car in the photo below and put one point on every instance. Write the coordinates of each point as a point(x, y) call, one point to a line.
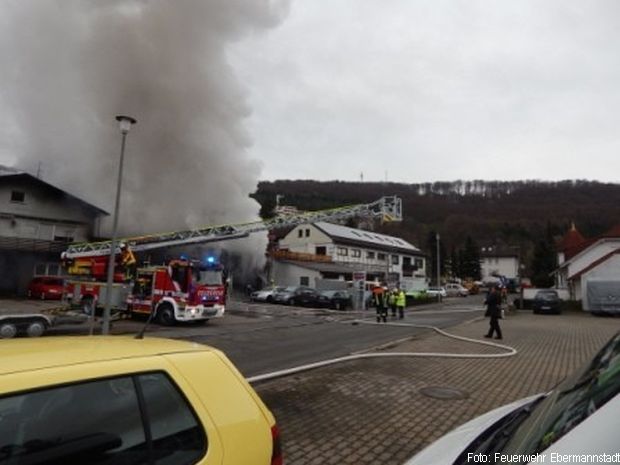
point(574, 423)
point(265, 295)
point(456, 290)
point(434, 291)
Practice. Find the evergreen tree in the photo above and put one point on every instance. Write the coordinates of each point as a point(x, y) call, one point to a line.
point(544, 261)
point(471, 260)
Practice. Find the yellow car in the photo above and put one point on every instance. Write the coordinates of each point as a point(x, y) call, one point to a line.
point(125, 401)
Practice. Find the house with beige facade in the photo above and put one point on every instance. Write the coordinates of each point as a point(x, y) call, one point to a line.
point(310, 253)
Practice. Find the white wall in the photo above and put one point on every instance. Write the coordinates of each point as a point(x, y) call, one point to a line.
point(287, 274)
point(504, 266)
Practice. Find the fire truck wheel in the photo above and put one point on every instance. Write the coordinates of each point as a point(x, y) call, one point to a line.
point(36, 329)
point(87, 305)
point(8, 330)
point(165, 315)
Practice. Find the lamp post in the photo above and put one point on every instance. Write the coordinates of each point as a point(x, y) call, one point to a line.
point(125, 123)
point(438, 269)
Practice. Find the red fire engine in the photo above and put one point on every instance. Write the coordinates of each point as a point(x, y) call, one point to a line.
point(181, 290)
point(184, 290)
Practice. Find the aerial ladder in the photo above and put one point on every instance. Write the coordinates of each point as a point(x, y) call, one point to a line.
point(89, 259)
point(388, 209)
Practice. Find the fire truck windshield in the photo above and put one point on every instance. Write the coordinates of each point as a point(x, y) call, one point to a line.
point(209, 277)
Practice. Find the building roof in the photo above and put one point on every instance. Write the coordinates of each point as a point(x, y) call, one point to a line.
point(368, 238)
point(322, 267)
point(8, 172)
point(573, 242)
point(594, 264)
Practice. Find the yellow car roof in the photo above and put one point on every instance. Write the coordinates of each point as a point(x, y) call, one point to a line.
point(17, 355)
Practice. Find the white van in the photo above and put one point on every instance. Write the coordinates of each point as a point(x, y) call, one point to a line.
point(574, 423)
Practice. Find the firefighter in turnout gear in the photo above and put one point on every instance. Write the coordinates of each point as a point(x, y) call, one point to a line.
point(380, 301)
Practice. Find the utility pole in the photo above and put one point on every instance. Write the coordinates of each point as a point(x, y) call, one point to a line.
point(438, 269)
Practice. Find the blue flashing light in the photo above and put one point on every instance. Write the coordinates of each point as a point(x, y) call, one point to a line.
point(183, 257)
point(210, 260)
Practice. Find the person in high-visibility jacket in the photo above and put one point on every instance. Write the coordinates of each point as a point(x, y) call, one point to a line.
point(401, 301)
point(392, 301)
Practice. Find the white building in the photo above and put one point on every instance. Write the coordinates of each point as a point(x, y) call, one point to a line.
point(312, 252)
point(498, 260)
point(37, 220)
point(585, 263)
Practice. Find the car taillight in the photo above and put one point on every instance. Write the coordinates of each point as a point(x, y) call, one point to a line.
point(276, 454)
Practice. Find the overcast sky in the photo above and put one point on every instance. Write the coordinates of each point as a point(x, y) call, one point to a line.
point(426, 90)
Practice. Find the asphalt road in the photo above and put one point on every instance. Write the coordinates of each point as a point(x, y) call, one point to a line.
point(275, 337)
point(262, 338)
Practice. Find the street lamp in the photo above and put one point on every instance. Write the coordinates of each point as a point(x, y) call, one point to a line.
point(125, 123)
point(438, 269)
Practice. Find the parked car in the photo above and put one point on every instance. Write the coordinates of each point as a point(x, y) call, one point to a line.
point(339, 300)
point(579, 417)
point(456, 290)
point(434, 291)
point(123, 400)
point(265, 295)
point(546, 301)
point(300, 295)
point(46, 287)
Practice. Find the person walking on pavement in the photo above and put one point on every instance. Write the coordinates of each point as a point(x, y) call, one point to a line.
point(401, 300)
point(493, 302)
point(392, 301)
point(380, 303)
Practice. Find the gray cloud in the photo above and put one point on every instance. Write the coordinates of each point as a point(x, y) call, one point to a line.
point(436, 90)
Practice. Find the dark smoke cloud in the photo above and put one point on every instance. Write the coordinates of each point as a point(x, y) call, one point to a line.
point(70, 66)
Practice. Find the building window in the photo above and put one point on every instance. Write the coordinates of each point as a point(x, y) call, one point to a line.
point(321, 250)
point(300, 233)
point(18, 196)
point(395, 259)
point(419, 263)
point(304, 281)
point(342, 251)
point(370, 255)
point(356, 253)
point(381, 257)
point(307, 233)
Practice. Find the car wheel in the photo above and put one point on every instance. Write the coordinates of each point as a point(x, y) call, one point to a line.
point(292, 302)
point(338, 305)
point(165, 315)
point(42, 295)
point(29, 294)
point(8, 330)
point(269, 299)
point(88, 305)
point(36, 328)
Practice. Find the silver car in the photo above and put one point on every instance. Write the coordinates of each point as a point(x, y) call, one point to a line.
point(265, 295)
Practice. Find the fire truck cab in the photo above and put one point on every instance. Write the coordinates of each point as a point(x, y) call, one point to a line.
point(182, 290)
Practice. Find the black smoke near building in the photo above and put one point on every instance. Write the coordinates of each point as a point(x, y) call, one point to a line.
point(70, 66)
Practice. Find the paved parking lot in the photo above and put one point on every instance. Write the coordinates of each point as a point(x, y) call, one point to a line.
point(374, 411)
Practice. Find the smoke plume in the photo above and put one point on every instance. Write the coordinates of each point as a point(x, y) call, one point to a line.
point(70, 66)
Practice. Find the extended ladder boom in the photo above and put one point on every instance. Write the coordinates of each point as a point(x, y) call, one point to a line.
point(388, 208)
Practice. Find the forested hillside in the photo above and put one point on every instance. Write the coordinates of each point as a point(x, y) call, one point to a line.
point(514, 213)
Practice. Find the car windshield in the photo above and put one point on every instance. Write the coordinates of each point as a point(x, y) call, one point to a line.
point(289, 289)
point(570, 403)
point(546, 295)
